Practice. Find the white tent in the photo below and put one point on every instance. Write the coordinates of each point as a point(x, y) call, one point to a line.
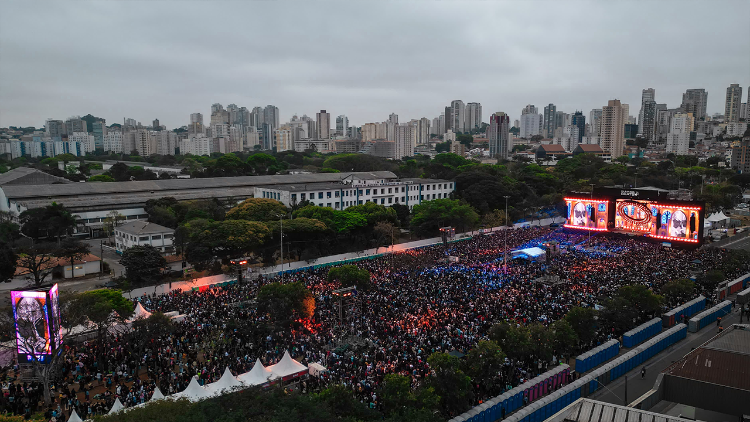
point(157, 395)
point(74, 417)
point(194, 392)
point(139, 313)
point(528, 253)
point(257, 376)
point(718, 219)
point(287, 366)
point(316, 369)
point(115, 407)
point(227, 383)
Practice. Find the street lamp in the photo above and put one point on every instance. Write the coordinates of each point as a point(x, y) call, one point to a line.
point(281, 245)
point(505, 248)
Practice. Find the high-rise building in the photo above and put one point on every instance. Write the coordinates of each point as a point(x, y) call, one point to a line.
point(740, 160)
point(54, 128)
point(732, 105)
point(156, 125)
point(529, 109)
point(448, 116)
point(284, 141)
point(648, 96)
point(113, 141)
point(530, 124)
point(550, 116)
point(423, 131)
point(75, 125)
point(216, 107)
point(579, 120)
point(694, 101)
point(743, 111)
point(473, 116)
point(100, 131)
point(595, 118)
point(459, 116)
point(612, 139)
point(499, 135)
point(323, 121)
point(271, 116)
point(404, 142)
point(678, 138)
point(342, 125)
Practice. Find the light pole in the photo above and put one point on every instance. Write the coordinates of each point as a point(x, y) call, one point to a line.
point(281, 245)
point(505, 248)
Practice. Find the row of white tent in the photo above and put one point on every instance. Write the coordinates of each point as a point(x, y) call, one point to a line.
point(194, 392)
point(119, 328)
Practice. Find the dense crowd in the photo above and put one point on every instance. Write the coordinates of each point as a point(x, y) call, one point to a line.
point(419, 304)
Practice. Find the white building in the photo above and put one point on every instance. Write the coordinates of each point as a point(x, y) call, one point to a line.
point(473, 116)
point(113, 141)
point(736, 128)
point(342, 125)
point(459, 116)
point(449, 136)
point(284, 140)
point(405, 141)
point(678, 138)
point(595, 119)
point(142, 233)
point(531, 125)
point(422, 131)
point(198, 144)
point(84, 138)
point(357, 191)
point(319, 145)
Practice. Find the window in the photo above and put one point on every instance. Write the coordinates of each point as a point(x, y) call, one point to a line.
point(337, 205)
point(294, 197)
point(382, 201)
point(337, 194)
point(156, 237)
point(390, 200)
point(143, 238)
point(359, 192)
point(367, 191)
point(360, 202)
point(421, 197)
point(451, 185)
point(402, 189)
point(168, 236)
point(428, 187)
point(320, 195)
point(329, 205)
point(328, 194)
point(390, 190)
point(302, 196)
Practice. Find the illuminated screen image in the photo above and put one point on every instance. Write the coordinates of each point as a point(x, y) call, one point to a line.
point(661, 221)
point(54, 302)
point(586, 214)
point(32, 324)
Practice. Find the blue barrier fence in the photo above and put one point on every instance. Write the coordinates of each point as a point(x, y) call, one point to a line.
point(597, 356)
point(687, 310)
point(589, 383)
point(708, 316)
point(642, 333)
point(531, 391)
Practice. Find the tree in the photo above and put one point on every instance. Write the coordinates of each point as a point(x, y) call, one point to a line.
point(257, 209)
point(710, 280)
point(233, 238)
point(111, 221)
point(583, 322)
point(512, 338)
point(564, 337)
point(8, 260)
point(146, 330)
point(37, 261)
point(286, 302)
point(101, 178)
point(350, 275)
point(484, 362)
point(143, 264)
point(52, 221)
point(678, 291)
point(645, 301)
point(403, 213)
point(450, 383)
point(297, 233)
point(73, 250)
point(341, 222)
point(401, 403)
point(429, 216)
point(103, 307)
point(385, 234)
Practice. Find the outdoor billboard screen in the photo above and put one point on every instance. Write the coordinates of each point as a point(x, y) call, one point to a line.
point(587, 214)
point(37, 318)
point(673, 222)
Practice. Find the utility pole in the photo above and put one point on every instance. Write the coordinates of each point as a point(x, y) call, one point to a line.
point(281, 245)
point(505, 248)
point(101, 258)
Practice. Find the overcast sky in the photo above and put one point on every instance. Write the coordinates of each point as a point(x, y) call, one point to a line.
point(162, 59)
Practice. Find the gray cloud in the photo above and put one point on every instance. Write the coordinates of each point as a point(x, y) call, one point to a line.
point(365, 59)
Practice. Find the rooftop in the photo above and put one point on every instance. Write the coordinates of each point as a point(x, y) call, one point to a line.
point(29, 176)
point(592, 148)
point(723, 360)
point(138, 227)
point(552, 148)
point(588, 410)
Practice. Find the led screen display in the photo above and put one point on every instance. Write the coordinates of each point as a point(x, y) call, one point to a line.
point(54, 305)
point(659, 220)
point(32, 325)
point(587, 214)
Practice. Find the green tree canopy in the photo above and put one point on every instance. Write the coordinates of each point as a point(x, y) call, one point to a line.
point(257, 209)
point(350, 275)
point(484, 363)
point(451, 384)
point(678, 291)
point(429, 216)
point(143, 264)
point(583, 322)
point(339, 221)
point(52, 221)
point(286, 302)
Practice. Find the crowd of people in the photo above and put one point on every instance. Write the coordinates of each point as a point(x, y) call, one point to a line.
point(420, 303)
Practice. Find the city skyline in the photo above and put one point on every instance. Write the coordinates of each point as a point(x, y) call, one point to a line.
point(158, 65)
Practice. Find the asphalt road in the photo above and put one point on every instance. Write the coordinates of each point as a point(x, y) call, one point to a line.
point(110, 256)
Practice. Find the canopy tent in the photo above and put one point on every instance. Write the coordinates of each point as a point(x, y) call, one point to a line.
point(316, 369)
point(157, 395)
point(257, 376)
point(116, 407)
point(74, 417)
point(226, 383)
point(288, 368)
point(194, 392)
point(456, 354)
point(528, 253)
point(718, 219)
point(139, 313)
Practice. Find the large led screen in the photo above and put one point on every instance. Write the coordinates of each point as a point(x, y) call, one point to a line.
point(674, 222)
point(587, 214)
point(54, 308)
point(31, 314)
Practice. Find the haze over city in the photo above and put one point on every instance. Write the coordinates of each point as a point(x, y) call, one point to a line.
point(363, 59)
